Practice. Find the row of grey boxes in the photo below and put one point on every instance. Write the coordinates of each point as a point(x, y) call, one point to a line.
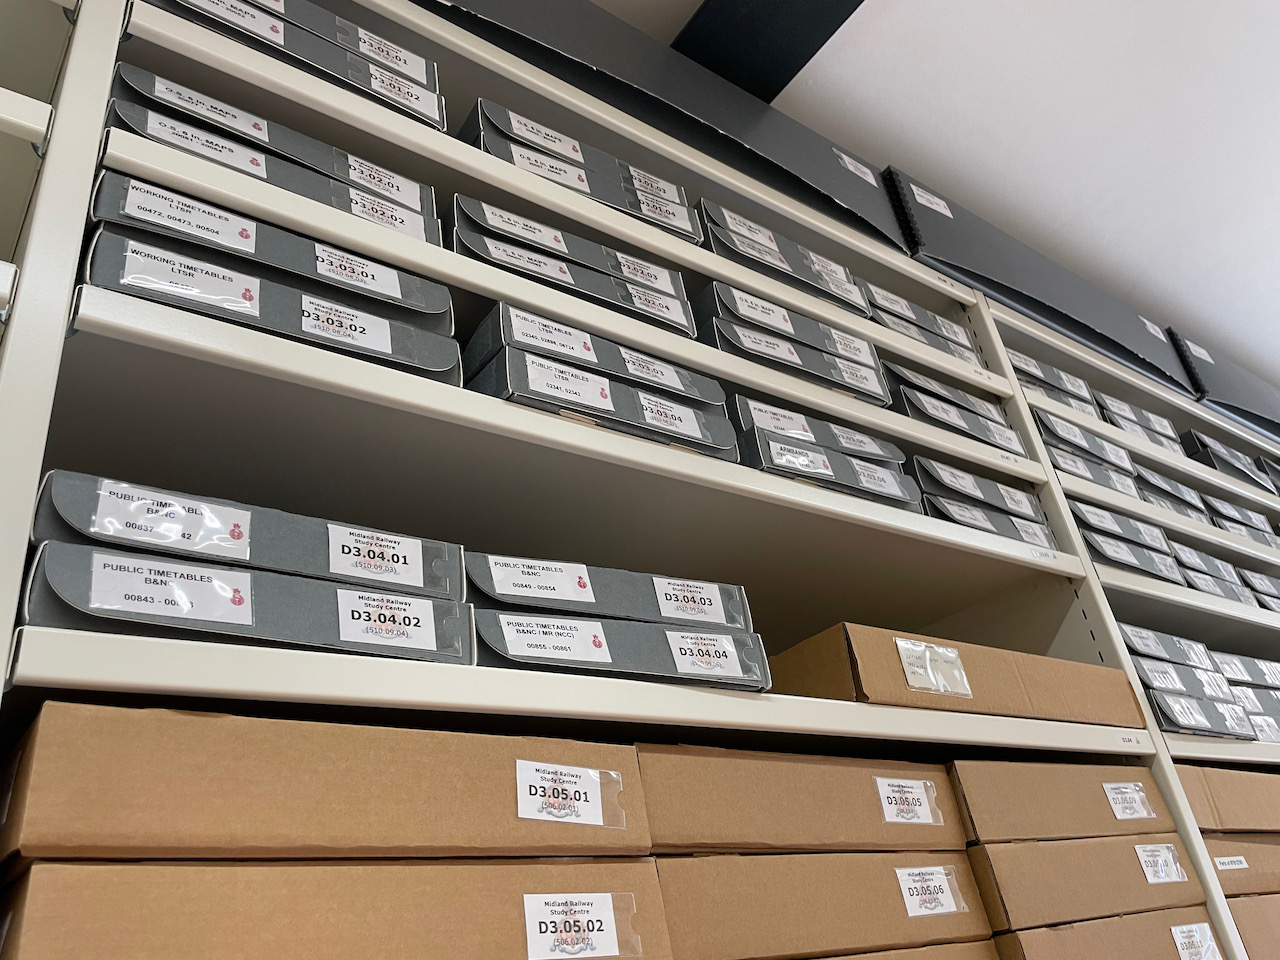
point(1197, 690)
point(116, 557)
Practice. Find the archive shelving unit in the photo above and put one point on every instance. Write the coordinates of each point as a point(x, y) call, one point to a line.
point(93, 380)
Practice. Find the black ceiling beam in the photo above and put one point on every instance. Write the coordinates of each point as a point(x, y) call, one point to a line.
point(760, 45)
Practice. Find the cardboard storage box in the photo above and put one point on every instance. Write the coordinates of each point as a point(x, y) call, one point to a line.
point(81, 508)
point(704, 799)
point(1006, 800)
point(854, 662)
point(819, 904)
point(1046, 882)
point(446, 910)
point(1258, 920)
point(1232, 801)
point(1245, 863)
point(99, 782)
point(1181, 934)
point(979, 950)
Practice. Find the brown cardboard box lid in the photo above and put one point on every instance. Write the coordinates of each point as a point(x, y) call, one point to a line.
point(108, 782)
point(851, 661)
point(1139, 936)
point(437, 910)
point(1258, 920)
point(1045, 882)
point(1246, 863)
point(1009, 800)
point(809, 905)
point(975, 950)
point(1232, 801)
point(703, 799)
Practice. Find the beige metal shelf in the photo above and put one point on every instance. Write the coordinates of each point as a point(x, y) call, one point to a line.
point(24, 117)
point(8, 284)
point(1222, 750)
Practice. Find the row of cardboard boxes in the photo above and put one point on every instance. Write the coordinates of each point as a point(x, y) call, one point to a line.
point(863, 855)
point(282, 578)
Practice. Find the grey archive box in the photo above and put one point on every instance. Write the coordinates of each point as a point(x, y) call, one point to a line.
point(992, 521)
point(611, 186)
point(721, 300)
point(547, 384)
point(1228, 460)
point(789, 457)
point(82, 508)
point(930, 409)
point(1064, 433)
point(629, 649)
point(135, 203)
point(85, 587)
point(268, 33)
point(643, 302)
point(749, 413)
point(1088, 468)
point(1216, 586)
point(947, 481)
point(1253, 518)
point(512, 326)
point(1042, 389)
point(883, 299)
point(1117, 524)
point(1260, 582)
point(1175, 488)
point(1144, 433)
point(1165, 646)
point(1176, 678)
point(909, 329)
point(1179, 713)
point(742, 340)
point(485, 217)
point(745, 241)
point(284, 174)
point(1251, 670)
point(1152, 562)
point(1132, 412)
point(207, 281)
point(899, 376)
point(1051, 375)
point(134, 83)
point(607, 592)
point(1248, 532)
point(1173, 505)
point(1195, 559)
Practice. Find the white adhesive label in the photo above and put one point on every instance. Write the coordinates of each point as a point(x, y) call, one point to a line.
point(760, 252)
point(941, 411)
point(528, 328)
point(854, 166)
point(856, 375)
point(529, 261)
point(828, 267)
point(333, 321)
point(965, 483)
point(1195, 942)
point(153, 205)
point(545, 138)
point(1117, 551)
point(565, 174)
point(380, 180)
point(1121, 481)
point(806, 461)
point(952, 331)
point(1160, 862)
point(928, 891)
point(648, 183)
point(1153, 329)
point(853, 440)
point(1265, 729)
point(849, 291)
point(854, 348)
point(1072, 463)
point(1068, 431)
point(762, 311)
point(1162, 676)
point(1129, 801)
point(156, 269)
point(555, 638)
point(650, 368)
point(933, 668)
point(1144, 640)
point(1016, 500)
point(985, 408)
point(1187, 713)
point(383, 212)
point(750, 229)
point(126, 512)
point(966, 514)
point(558, 925)
point(1199, 351)
point(704, 654)
point(890, 301)
point(1003, 436)
point(669, 417)
point(1026, 364)
point(1231, 863)
point(766, 345)
point(779, 421)
point(1204, 583)
point(393, 55)
point(206, 144)
point(1152, 536)
point(689, 600)
point(1118, 407)
point(1117, 455)
point(1099, 518)
point(930, 201)
point(519, 577)
point(371, 555)
point(380, 618)
point(528, 230)
point(907, 329)
point(558, 793)
point(665, 212)
point(406, 93)
point(164, 589)
point(357, 271)
point(1231, 667)
point(1214, 686)
point(1189, 557)
point(214, 110)
point(1032, 532)
point(1075, 385)
point(246, 17)
point(642, 271)
point(1196, 653)
point(877, 479)
point(567, 383)
point(658, 304)
point(908, 801)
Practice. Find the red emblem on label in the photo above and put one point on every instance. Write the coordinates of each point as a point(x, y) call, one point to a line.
point(582, 584)
point(244, 233)
point(581, 178)
point(236, 599)
point(236, 533)
point(247, 296)
point(604, 394)
point(274, 28)
point(556, 239)
point(586, 347)
point(575, 149)
point(256, 125)
point(564, 270)
point(255, 161)
point(596, 642)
